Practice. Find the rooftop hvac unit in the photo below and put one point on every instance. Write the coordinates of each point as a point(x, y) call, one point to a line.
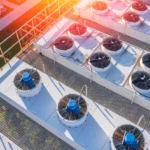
point(78, 31)
point(139, 7)
point(100, 61)
point(140, 81)
point(145, 62)
point(128, 137)
point(64, 46)
point(131, 18)
point(28, 82)
point(72, 110)
point(99, 7)
point(112, 46)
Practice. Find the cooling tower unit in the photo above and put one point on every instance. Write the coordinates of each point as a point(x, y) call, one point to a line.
point(100, 61)
point(145, 62)
point(139, 7)
point(112, 46)
point(140, 81)
point(131, 18)
point(64, 46)
point(99, 7)
point(128, 137)
point(72, 110)
point(78, 31)
point(28, 82)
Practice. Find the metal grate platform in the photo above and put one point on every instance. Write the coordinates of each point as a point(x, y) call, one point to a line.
point(26, 133)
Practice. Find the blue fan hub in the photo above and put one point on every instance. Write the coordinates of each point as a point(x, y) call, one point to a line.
point(130, 140)
point(26, 78)
point(72, 106)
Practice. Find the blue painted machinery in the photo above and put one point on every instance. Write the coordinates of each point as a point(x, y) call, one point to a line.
point(73, 107)
point(130, 141)
point(27, 79)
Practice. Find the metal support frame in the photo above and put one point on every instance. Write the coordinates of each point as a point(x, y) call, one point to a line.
point(36, 26)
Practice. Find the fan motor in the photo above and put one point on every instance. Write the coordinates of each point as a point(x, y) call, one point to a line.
point(130, 140)
point(26, 78)
point(73, 107)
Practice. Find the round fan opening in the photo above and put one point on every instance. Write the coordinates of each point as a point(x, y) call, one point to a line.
point(64, 43)
point(131, 17)
point(77, 29)
point(141, 80)
point(72, 107)
point(100, 60)
point(27, 79)
point(112, 44)
point(139, 5)
point(146, 60)
point(99, 5)
point(128, 137)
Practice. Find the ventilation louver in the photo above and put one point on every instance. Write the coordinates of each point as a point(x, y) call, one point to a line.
point(64, 46)
point(28, 82)
point(112, 45)
point(139, 7)
point(72, 110)
point(127, 137)
point(141, 81)
point(99, 7)
point(131, 18)
point(78, 31)
point(100, 61)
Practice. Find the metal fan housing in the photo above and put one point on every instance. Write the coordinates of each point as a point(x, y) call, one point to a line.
point(28, 83)
point(72, 110)
point(100, 62)
point(78, 31)
point(128, 137)
point(103, 8)
point(135, 18)
point(145, 62)
point(140, 81)
point(112, 46)
point(141, 5)
point(67, 45)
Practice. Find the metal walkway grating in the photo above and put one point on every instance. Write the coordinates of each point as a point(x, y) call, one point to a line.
point(26, 133)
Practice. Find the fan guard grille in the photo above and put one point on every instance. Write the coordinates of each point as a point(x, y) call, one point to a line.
point(21, 85)
point(112, 44)
point(119, 138)
point(99, 5)
point(131, 17)
point(100, 60)
point(77, 29)
point(70, 115)
point(146, 60)
point(63, 43)
point(141, 79)
point(140, 6)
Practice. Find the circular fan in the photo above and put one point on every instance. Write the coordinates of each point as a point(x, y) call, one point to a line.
point(26, 79)
point(132, 18)
point(100, 61)
point(127, 137)
point(99, 7)
point(112, 45)
point(28, 82)
point(145, 62)
point(139, 7)
point(141, 81)
point(64, 45)
point(72, 110)
point(77, 30)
